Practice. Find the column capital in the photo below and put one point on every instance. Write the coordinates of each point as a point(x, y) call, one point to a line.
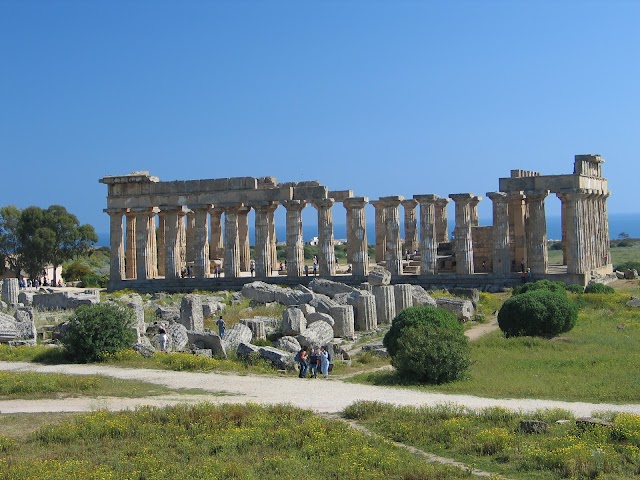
point(355, 202)
point(200, 206)
point(294, 204)
point(516, 196)
point(475, 200)
point(441, 202)
point(144, 211)
point(536, 195)
point(231, 207)
point(392, 201)
point(500, 197)
point(324, 203)
point(216, 210)
point(410, 203)
point(462, 198)
point(115, 211)
point(377, 204)
point(265, 207)
point(172, 208)
point(573, 193)
point(429, 198)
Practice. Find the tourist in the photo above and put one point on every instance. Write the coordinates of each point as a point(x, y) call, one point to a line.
point(221, 327)
point(522, 265)
point(281, 266)
point(189, 271)
point(303, 361)
point(314, 363)
point(528, 274)
point(324, 362)
point(523, 276)
point(306, 270)
point(252, 268)
point(315, 268)
point(163, 338)
point(349, 270)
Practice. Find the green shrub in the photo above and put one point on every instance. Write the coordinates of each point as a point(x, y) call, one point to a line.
point(95, 280)
point(599, 288)
point(539, 285)
point(76, 270)
point(431, 353)
point(628, 266)
point(575, 288)
point(555, 246)
point(540, 313)
point(98, 330)
point(413, 316)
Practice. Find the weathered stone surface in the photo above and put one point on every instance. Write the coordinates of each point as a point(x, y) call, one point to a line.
point(421, 297)
point(364, 306)
point(320, 317)
point(191, 313)
point(404, 296)
point(634, 302)
point(472, 294)
point(379, 276)
point(289, 296)
point(203, 352)
point(341, 298)
point(8, 328)
point(260, 291)
point(307, 309)
point(293, 321)
point(280, 359)
point(385, 303)
point(461, 308)
point(316, 335)
point(257, 327)
point(329, 287)
point(210, 341)
point(628, 274)
point(65, 300)
point(178, 338)
point(211, 306)
point(236, 335)
point(245, 349)
point(3, 305)
point(589, 422)
point(59, 331)
point(135, 303)
point(375, 348)
point(168, 313)
point(344, 323)
point(10, 291)
point(26, 298)
point(25, 323)
point(144, 347)
point(322, 303)
point(619, 275)
point(288, 344)
point(533, 426)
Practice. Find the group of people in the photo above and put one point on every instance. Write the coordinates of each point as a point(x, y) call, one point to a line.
point(36, 283)
point(313, 361)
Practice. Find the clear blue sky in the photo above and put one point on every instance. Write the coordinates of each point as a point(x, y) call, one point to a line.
point(385, 98)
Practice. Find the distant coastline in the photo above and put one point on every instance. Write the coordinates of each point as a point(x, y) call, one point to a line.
point(618, 223)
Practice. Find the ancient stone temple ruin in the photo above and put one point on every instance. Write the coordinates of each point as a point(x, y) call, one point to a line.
point(159, 230)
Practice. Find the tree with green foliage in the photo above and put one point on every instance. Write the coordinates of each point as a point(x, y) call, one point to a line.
point(9, 260)
point(537, 313)
point(96, 330)
point(76, 271)
point(427, 344)
point(548, 285)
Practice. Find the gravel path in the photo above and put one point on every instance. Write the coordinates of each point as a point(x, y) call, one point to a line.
point(319, 395)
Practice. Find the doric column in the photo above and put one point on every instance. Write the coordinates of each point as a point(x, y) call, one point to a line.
point(191, 223)
point(145, 243)
point(152, 246)
point(381, 233)
point(273, 241)
point(463, 243)
point(243, 235)
point(442, 220)
point(326, 254)
point(173, 215)
point(606, 255)
point(589, 230)
point(216, 245)
point(563, 223)
point(231, 242)
point(428, 234)
point(410, 225)
point(130, 254)
point(501, 247)
point(182, 238)
point(262, 246)
point(537, 250)
point(357, 235)
point(201, 263)
point(576, 253)
point(161, 243)
point(116, 243)
point(517, 227)
point(473, 206)
point(295, 240)
point(392, 227)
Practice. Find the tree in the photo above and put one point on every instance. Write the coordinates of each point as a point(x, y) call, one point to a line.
point(9, 218)
point(97, 330)
point(623, 236)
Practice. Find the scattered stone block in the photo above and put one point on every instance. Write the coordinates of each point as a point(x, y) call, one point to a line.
point(288, 344)
point(461, 308)
point(421, 297)
point(319, 317)
point(293, 321)
point(191, 313)
point(316, 335)
point(533, 426)
point(279, 359)
point(236, 335)
point(329, 287)
point(257, 328)
point(379, 276)
point(344, 323)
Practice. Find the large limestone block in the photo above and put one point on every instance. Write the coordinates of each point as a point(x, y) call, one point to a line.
point(279, 359)
point(460, 307)
point(288, 344)
point(404, 296)
point(316, 335)
point(25, 324)
point(472, 294)
point(421, 297)
point(364, 306)
point(178, 338)
point(379, 276)
point(320, 317)
point(191, 313)
point(260, 292)
point(245, 349)
point(307, 309)
point(65, 300)
point(385, 303)
point(257, 327)
point(212, 306)
point(344, 323)
point(329, 287)
point(293, 321)
point(208, 341)
point(322, 303)
point(341, 298)
point(168, 313)
point(10, 291)
point(26, 298)
point(236, 335)
point(8, 328)
point(135, 303)
point(289, 296)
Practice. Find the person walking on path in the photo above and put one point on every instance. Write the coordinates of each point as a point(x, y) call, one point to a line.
point(221, 326)
point(303, 361)
point(163, 338)
point(324, 362)
point(314, 363)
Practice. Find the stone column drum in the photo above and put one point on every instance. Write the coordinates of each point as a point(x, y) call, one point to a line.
point(273, 241)
point(190, 225)
point(326, 254)
point(161, 243)
point(201, 241)
point(130, 253)
point(231, 242)
point(243, 238)
point(404, 296)
point(357, 235)
point(517, 227)
point(116, 243)
point(381, 232)
point(385, 303)
point(295, 240)
point(442, 220)
point(463, 242)
point(145, 228)
point(364, 306)
point(537, 250)
point(216, 246)
point(501, 246)
point(574, 208)
point(172, 217)
point(344, 322)
point(10, 291)
point(428, 234)
point(410, 225)
point(262, 250)
point(392, 227)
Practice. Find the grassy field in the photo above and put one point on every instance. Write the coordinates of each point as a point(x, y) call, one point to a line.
point(492, 440)
point(207, 442)
point(619, 254)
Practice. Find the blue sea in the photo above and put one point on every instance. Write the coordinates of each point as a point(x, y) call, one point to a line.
point(618, 223)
